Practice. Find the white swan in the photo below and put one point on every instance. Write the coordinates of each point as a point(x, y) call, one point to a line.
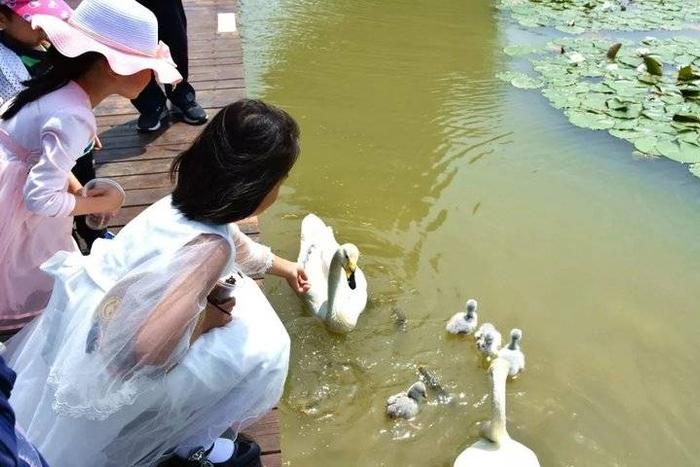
point(405, 404)
point(496, 448)
point(488, 340)
point(512, 353)
point(338, 292)
point(464, 322)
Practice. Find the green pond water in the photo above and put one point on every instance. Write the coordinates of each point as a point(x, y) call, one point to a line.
point(454, 185)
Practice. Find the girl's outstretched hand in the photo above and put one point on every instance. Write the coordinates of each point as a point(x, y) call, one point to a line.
point(292, 272)
point(297, 280)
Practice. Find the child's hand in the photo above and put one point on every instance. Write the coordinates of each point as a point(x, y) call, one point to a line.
point(113, 198)
point(74, 185)
point(297, 280)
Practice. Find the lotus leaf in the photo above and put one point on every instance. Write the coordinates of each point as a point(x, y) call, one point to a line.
point(690, 93)
point(679, 151)
point(578, 16)
point(695, 169)
point(520, 50)
point(520, 80)
point(658, 114)
point(613, 50)
point(686, 118)
point(626, 124)
point(654, 67)
point(646, 144)
point(591, 120)
point(690, 137)
point(686, 74)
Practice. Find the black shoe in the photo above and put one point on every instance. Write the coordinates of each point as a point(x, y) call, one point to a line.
point(190, 112)
point(247, 454)
point(151, 121)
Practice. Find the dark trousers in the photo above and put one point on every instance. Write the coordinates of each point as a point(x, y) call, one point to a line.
point(84, 171)
point(172, 29)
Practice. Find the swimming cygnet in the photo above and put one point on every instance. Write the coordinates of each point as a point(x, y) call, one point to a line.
point(488, 340)
point(464, 322)
point(405, 404)
point(512, 353)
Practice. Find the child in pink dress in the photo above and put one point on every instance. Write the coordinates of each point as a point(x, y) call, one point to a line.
point(45, 128)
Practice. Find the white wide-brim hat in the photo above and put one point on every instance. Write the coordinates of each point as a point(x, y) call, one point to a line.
point(124, 31)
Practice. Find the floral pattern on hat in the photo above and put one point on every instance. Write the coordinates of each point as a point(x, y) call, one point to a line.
point(28, 8)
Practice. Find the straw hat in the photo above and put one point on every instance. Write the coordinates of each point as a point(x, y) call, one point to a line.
point(28, 8)
point(124, 31)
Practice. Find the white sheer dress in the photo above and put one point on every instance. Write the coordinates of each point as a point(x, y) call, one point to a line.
point(108, 376)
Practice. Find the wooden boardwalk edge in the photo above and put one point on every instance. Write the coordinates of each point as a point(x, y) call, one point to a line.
point(140, 163)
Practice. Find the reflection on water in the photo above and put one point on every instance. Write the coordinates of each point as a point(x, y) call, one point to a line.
point(454, 185)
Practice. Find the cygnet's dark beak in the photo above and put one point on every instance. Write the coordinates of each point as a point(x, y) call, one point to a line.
point(351, 281)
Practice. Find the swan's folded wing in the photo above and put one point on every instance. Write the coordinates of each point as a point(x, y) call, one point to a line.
point(315, 232)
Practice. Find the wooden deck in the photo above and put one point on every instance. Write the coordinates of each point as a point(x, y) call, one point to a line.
point(140, 162)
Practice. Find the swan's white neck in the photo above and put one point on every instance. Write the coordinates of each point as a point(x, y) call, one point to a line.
point(496, 429)
point(336, 274)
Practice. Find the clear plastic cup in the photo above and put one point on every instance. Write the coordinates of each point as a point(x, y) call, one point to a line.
point(99, 221)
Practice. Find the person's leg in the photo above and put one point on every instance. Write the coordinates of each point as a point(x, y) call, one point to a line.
point(248, 392)
point(84, 171)
point(150, 98)
point(172, 29)
point(229, 450)
point(151, 102)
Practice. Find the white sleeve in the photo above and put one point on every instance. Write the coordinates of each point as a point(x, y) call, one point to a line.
point(63, 140)
point(253, 258)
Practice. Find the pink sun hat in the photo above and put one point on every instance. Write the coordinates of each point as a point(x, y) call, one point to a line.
point(123, 31)
point(28, 8)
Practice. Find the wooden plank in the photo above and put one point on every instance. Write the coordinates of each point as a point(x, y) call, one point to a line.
point(176, 134)
point(130, 182)
point(145, 197)
point(126, 122)
point(266, 432)
point(222, 57)
point(272, 460)
point(137, 167)
point(208, 80)
point(113, 155)
point(213, 98)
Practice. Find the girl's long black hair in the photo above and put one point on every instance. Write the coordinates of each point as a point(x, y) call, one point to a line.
point(246, 149)
point(59, 71)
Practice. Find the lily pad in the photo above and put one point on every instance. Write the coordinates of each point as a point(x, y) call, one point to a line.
point(520, 80)
point(591, 120)
point(679, 151)
point(613, 50)
point(520, 50)
point(654, 67)
point(657, 113)
point(646, 145)
point(578, 16)
point(686, 118)
point(695, 169)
